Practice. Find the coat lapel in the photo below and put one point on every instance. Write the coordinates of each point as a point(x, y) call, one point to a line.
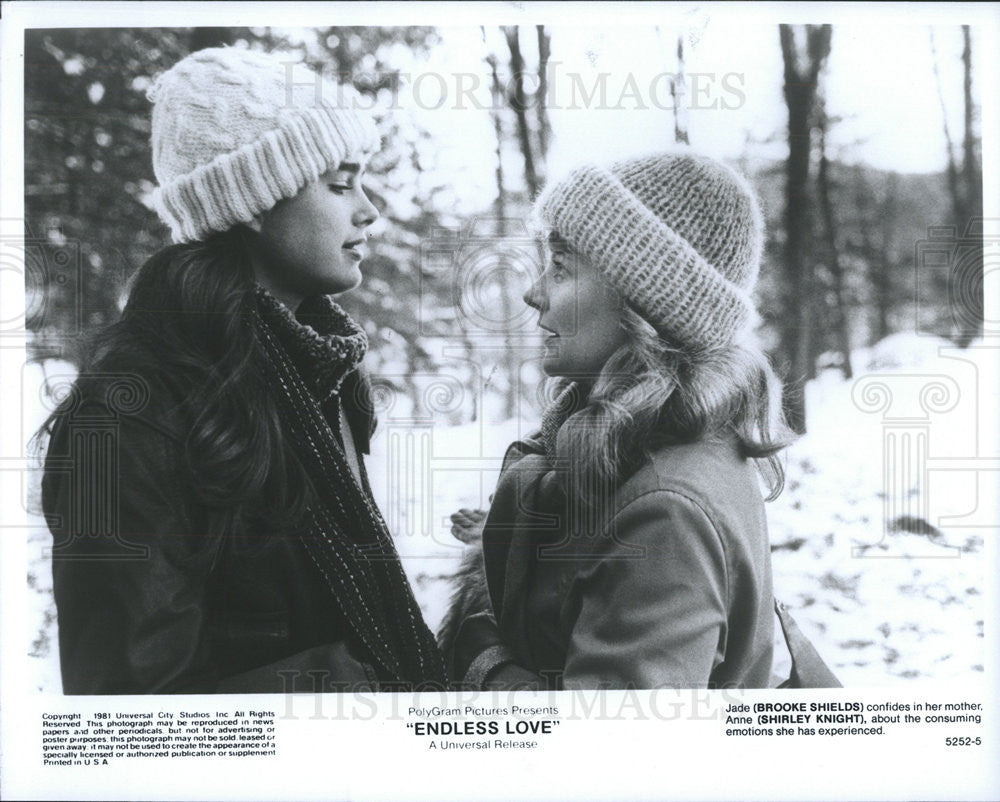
point(517, 525)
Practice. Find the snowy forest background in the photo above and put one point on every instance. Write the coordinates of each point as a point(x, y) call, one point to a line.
point(871, 296)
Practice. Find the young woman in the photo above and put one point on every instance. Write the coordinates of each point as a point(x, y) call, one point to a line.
point(626, 544)
point(214, 526)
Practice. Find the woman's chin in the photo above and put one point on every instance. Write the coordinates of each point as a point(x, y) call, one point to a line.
point(552, 368)
point(346, 279)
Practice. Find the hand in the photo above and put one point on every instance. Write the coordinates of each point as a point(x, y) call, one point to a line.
point(467, 525)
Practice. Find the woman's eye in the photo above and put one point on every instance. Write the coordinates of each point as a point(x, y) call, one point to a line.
point(558, 263)
point(343, 182)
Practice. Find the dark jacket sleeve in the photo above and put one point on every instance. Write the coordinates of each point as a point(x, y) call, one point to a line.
point(131, 569)
point(129, 572)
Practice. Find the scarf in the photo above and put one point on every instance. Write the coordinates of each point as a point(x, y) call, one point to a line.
point(568, 400)
point(307, 359)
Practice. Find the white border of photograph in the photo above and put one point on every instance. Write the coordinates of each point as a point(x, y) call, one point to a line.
point(607, 745)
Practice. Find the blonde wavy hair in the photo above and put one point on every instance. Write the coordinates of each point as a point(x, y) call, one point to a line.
point(651, 392)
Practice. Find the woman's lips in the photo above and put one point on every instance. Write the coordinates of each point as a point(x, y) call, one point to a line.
point(550, 340)
point(355, 248)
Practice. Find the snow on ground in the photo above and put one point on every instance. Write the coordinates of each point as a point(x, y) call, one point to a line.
point(882, 603)
point(877, 540)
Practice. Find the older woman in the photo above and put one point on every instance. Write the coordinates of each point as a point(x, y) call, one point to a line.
point(626, 545)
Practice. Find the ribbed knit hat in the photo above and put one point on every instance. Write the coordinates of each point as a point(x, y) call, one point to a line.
point(235, 131)
point(678, 234)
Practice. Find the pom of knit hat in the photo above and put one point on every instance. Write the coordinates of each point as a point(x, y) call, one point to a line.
point(234, 131)
point(680, 235)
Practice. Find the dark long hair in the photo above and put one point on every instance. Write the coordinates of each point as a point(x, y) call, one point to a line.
point(188, 327)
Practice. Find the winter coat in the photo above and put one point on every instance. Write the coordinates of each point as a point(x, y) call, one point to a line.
point(156, 601)
point(668, 586)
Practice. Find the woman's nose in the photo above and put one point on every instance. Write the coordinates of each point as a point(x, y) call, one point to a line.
point(535, 296)
point(366, 213)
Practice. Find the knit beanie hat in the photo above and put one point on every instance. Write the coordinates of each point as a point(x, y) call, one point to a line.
point(235, 131)
point(678, 234)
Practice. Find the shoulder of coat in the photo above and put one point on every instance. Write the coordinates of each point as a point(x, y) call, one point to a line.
point(704, 472)
point(121, 390)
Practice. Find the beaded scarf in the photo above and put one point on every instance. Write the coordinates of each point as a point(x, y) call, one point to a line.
point(308, 356)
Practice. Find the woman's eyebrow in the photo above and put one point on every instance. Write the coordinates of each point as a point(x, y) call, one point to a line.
point(353, 168)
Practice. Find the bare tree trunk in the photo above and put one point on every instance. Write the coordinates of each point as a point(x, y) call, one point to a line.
point(841, 316)
point(412, 368)
point(542, 98)
point(677, 87)
point(500, 209)
point(519, 103)
point(680, 115)
point(877, 258)
point(888, 256)
point(953, 187)
point(970, 161)
point(800, 93)
point(967, 284)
